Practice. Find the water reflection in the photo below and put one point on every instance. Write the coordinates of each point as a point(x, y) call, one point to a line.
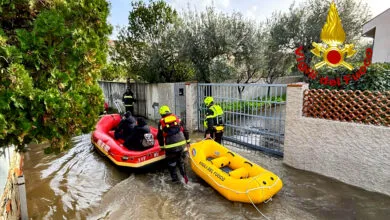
point(66, 185)
point(81, 184)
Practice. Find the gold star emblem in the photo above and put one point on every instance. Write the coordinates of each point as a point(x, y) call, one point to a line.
point(333, 36)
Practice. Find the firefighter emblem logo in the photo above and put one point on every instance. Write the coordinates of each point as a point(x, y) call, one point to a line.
point(333, 36)
point(333, 53)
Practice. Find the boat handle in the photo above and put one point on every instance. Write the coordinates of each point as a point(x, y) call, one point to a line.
point(248, 163)
point(230, 153)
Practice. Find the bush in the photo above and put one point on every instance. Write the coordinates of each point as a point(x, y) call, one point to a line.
point(250, 106)
point(51, 55)
point(113, 72)
point(377, 78)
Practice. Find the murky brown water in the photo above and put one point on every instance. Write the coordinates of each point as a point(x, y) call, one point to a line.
point(81, 184)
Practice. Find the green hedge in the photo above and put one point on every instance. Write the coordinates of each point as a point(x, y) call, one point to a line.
point(377, 78)
point(249, 106)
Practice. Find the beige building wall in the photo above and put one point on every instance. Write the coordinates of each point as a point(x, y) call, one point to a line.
point(356, 154)
point(164, 94)
point(161, 94)
point(379, 29)
point(192, 106)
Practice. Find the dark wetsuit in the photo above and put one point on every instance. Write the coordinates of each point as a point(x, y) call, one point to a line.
point(173, 138)
point(128, 100)
point(134, 141)
point(125, 128)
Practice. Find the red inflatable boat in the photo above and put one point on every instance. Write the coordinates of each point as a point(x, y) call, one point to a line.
point(104, 141)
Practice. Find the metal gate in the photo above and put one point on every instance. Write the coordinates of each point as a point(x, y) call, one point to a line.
point(139, 90)
point(180, 100)
point(254, 113)
point(112, 91)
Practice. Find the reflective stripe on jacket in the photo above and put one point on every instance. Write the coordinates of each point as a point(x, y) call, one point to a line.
point(128, 100)
point(217, 116)
point(181, 143)
point(172, 131)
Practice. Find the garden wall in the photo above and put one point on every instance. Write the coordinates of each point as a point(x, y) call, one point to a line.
point(352, 152)
point(151, 96)
point(112, 91)
point(13, 204)
point(159, 94)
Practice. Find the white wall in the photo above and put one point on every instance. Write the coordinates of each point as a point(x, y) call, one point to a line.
point(192, 106)
point(5, 160)
point(161, 93)
point(356, 154)
point(164, 94)
point(380, 26)
point(112, 91)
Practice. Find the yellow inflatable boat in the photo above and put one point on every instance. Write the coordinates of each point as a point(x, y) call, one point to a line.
point(235, 177)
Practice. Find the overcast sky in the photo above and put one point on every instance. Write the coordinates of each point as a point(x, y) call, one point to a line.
point(253, 9)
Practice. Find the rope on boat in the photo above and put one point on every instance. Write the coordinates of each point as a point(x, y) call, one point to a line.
point(254, 205)
point(268, 200)
point(258, 210)
point(241, 192)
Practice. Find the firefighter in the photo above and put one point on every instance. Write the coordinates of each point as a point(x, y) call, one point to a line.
point(128, 100)
point(214, 120)
point(173, 138)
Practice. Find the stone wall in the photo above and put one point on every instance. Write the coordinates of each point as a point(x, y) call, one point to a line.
point(353, 153)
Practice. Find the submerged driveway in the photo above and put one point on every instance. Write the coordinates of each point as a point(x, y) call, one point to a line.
point(81, 184)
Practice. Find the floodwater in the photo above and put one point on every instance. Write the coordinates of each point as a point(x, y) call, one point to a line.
point(82, 184)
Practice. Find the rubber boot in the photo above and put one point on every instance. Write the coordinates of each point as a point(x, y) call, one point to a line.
point(183, 172)
point(172, 171)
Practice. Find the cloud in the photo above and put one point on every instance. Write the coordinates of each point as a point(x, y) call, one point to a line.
point(224, 3)
point(252, 13)
point(378, 6)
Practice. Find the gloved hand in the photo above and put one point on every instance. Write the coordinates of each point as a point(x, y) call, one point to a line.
point(185, 154)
